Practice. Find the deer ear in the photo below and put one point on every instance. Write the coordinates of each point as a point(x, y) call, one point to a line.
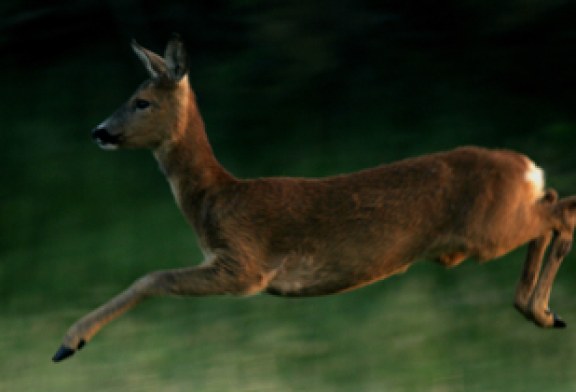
point(155, 65)
point(175, 58)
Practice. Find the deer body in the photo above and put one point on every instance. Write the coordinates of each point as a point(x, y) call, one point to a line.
point(314, 237)
point(305, 237)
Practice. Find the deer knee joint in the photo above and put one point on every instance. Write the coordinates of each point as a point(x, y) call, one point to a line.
point(155, 283)
point(563, 248)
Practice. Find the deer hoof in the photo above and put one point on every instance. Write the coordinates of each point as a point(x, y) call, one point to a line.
point(558, 322)
point(65, 352)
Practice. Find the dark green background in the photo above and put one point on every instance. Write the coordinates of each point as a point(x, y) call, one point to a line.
point(301, 88)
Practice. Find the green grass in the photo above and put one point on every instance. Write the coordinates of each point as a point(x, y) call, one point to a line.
point(430, 330)
point(78, 225)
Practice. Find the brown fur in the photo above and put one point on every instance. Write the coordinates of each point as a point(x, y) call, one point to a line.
point(303, 237)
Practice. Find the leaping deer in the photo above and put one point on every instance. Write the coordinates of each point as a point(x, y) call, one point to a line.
point(307, 237)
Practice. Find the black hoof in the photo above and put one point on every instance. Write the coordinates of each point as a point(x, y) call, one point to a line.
point(63, 353)
point(558, 322)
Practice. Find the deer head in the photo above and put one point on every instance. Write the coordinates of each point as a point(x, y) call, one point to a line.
point(151, 115)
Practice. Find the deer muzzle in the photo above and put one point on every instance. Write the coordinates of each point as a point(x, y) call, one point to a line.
point(105, 139)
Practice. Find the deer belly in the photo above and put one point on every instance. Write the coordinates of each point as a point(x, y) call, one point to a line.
point(307, 276)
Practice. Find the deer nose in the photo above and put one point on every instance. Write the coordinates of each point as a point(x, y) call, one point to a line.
point(100, 134)
point(104, 138)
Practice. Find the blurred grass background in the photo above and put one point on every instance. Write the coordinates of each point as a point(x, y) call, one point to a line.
point(286, 88)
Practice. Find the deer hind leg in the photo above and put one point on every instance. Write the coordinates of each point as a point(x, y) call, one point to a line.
point(529, 279)
point(538, 308)
point(220, 277)
point(539, 303)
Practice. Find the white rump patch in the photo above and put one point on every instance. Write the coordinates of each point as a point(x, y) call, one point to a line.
point(535, 176)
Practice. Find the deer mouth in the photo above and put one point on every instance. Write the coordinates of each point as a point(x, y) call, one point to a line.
point(105, 139)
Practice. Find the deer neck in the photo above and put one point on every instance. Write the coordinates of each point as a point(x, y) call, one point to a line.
point(188, 163)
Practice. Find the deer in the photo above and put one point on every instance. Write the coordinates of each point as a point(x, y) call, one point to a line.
point(301, 237)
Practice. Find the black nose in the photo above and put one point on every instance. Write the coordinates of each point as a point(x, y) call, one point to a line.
point(102, 136)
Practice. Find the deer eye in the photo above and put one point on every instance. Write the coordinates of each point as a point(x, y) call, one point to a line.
point(141, 103)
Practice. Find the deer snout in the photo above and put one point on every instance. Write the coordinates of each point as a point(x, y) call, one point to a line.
point(105, 139)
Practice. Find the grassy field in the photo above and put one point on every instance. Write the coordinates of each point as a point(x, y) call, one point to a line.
point(78, 225)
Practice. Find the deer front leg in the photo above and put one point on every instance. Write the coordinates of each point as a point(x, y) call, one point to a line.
point(539, 304)
point(219, 277)
point(529, 278)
